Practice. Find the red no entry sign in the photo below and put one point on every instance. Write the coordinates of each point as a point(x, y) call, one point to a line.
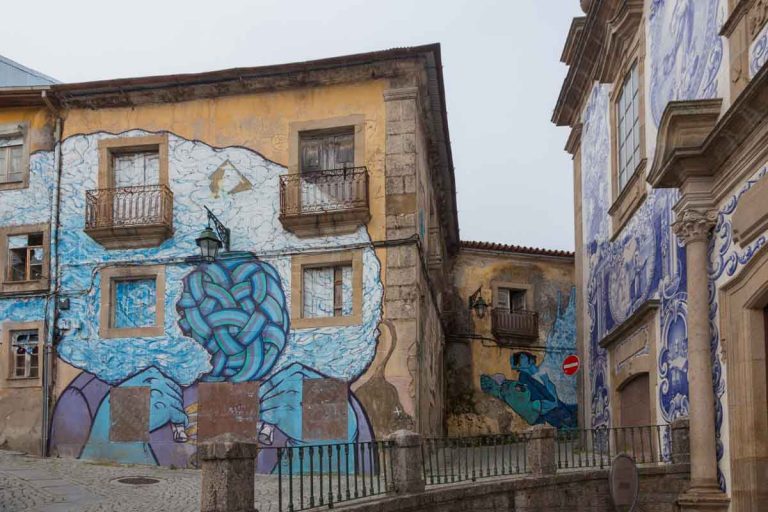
point(571, 364)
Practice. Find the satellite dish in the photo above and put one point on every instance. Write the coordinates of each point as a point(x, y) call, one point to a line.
point(624, 483)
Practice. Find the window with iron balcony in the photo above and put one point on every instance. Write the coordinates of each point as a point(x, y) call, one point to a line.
point(133, 206)
point(511, 319)
point(326, 192)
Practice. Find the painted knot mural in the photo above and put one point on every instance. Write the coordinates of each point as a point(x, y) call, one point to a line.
point(236, 310)
point(541, 393)
point(224, 323)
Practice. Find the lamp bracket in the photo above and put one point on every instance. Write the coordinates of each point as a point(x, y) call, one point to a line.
point(221, 230)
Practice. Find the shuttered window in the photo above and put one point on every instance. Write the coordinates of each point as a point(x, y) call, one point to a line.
point(327, 150)
point(510, 299)
point(327, 291)
point(11, 153)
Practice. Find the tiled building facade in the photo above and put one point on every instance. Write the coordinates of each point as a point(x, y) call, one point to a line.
point(666, 104)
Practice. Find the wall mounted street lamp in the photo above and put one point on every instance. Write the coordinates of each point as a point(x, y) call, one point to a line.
point(208, 241)
point(478, 304)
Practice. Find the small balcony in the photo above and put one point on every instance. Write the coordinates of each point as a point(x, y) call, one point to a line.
point(129, 217)
point(322, 203)
point(515, 324)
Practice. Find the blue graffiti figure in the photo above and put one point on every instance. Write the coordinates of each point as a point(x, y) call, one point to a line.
point(533, 395)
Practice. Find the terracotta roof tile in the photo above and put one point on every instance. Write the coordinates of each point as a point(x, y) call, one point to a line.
point(520, 249)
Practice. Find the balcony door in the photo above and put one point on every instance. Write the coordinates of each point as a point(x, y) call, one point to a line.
point(136, 196)
point(325, 164)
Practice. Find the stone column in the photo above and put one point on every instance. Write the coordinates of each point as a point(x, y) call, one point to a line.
point(407, 462)
point(228, 469)
point(693, 228)
point(541, 450)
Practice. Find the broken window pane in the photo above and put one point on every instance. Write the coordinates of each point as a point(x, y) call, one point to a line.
point(26, 360)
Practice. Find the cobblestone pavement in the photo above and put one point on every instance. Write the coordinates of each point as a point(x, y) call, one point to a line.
point(57, 485)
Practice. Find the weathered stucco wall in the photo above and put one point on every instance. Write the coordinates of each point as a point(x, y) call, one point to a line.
point(227, 153)
point(21, 401)
point(475, 360)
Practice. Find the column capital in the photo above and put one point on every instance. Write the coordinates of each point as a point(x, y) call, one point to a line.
point(694, 225)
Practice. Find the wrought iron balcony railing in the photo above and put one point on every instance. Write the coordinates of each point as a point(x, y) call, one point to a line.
point(114, 214)
point(324, 191)
point(311, 201)
point(519, 323)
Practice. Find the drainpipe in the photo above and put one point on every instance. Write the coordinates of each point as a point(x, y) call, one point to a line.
point(51, 303)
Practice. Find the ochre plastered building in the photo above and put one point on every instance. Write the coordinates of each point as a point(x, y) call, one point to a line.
point(324, 315)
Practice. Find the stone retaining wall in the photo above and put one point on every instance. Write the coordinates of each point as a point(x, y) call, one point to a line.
point(582, 491)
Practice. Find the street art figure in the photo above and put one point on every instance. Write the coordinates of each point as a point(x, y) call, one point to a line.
point(533, 395)
point(231, 321)
point(541, 393)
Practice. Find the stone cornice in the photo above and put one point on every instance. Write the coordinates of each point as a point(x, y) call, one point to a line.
point(577, 26)
point(587, 48)
point(684, 127)
point(634, 320)
point(573, 144)
point(621, 31)
point(694, 225)
point(728, 154)
point(737, 13)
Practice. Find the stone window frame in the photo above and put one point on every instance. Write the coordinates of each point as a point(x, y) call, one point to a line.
point(109, 147)
point(527, 287)
point(624, 202)
point(330, 124)
point(107, 300)
point(9, 130)
point(745, 22)
point(301, 261)
point(7, 380)
point(16, 287)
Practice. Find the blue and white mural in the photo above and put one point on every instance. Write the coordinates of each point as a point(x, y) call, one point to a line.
point(542, 393)
point(758, 52)
point(29, 206)
point(645, 261)
point(224, 321)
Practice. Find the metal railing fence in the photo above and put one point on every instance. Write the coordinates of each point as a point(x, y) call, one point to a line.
point(596, 447)
point(318, 192)
point(451, 460)
point(326, 474)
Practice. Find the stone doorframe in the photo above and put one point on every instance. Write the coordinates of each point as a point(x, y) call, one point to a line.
point(743, 329)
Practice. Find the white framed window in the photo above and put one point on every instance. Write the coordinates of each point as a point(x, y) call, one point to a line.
point(628, 126)
point(12, 158)
point(327, 291)
point(25, 356)
point(136, 168)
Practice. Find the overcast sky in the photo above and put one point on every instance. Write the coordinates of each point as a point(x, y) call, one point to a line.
point(501, 63)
